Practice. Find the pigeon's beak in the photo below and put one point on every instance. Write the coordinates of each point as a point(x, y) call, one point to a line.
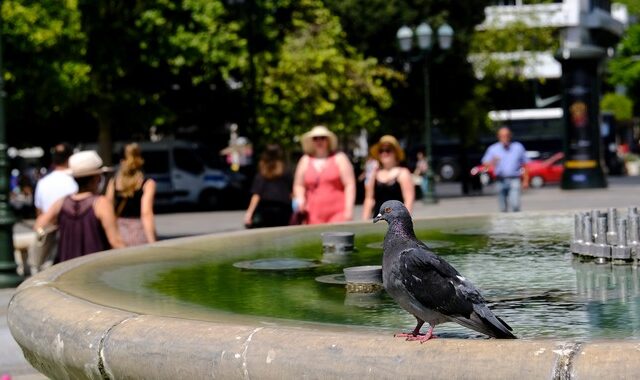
point(377, 218)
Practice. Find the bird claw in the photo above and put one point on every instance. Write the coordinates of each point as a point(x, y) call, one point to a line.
point(406, 335)
point(422, 338)
point(419, 337)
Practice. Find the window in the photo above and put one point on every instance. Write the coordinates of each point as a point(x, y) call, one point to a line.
point(156, 162)
point(187, 160)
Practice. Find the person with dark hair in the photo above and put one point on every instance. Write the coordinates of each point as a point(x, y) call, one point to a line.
point(58, 183)
point(86, 221)
point(270, 204)
point(390, 181)
point(49, 189)
point(132, 196)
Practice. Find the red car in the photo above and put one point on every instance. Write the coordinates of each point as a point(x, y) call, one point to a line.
point(541, 172)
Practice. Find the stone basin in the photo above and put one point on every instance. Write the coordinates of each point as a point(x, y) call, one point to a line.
point(90, 318)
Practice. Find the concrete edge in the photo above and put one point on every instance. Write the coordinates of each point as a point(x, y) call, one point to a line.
point(66, 337)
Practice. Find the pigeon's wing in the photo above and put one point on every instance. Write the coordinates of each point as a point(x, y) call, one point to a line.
point(439, 286)
point(432, 281)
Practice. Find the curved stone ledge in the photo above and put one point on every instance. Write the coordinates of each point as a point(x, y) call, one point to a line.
point(66, 337)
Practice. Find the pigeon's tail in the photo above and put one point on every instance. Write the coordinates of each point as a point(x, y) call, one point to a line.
point(484, 321)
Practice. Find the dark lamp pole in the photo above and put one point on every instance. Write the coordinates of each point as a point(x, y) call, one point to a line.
point(424, 33)
point(8, 276)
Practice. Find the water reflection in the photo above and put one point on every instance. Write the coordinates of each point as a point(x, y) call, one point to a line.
point(611, 294)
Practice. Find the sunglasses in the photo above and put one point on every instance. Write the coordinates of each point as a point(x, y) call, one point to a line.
point(386, 150)
point(319, 138)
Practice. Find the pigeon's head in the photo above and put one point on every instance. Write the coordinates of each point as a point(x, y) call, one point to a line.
point(392, 210)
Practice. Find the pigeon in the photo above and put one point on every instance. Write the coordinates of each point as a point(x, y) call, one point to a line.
point(427, 286)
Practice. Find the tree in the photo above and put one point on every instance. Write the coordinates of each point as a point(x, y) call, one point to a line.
point(624, 68)
point(371, 25)
point(620, 105)
point(157, 46)
point(318, 78)
point(121, 65)
point(45, 71)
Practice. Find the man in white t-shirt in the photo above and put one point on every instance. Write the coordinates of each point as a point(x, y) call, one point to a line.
point(55, 185)
point(58, 183)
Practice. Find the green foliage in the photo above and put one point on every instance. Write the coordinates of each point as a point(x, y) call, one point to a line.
point(371, 26)
point(160, 44)
point(633, 6)
point(125, 65)
point(501, 53)
point(319, 78)
point(515, 37)
point(44, 69)
point(625, 67)
point(620, 105)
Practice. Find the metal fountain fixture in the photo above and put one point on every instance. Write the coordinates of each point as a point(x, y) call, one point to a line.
point(607, 237)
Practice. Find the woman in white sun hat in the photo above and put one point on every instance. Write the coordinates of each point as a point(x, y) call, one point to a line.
point(324, 185)
point(86, 221)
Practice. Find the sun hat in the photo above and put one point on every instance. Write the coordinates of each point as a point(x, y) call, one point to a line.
point(387, 140)
point(86, 163)
point(319, 131)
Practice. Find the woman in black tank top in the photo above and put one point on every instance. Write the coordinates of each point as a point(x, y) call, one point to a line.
point(390, 181)
point(132, 197)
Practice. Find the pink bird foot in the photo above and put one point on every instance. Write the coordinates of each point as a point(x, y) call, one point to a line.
point(417, 336)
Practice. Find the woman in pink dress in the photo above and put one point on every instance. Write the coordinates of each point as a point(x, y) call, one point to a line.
point(324, 184)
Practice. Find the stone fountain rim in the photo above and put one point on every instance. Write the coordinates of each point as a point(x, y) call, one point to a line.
point(67, 337)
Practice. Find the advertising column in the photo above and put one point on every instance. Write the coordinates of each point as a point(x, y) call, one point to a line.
point(581, 106)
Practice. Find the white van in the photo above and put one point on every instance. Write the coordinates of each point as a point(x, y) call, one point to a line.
point(181, 174)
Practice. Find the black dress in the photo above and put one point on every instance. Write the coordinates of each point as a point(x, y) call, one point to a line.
point(274, 208)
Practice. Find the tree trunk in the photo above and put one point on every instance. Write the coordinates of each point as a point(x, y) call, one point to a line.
point(105, 142)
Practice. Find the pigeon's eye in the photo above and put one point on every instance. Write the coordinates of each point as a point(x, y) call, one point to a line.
point(387, 210)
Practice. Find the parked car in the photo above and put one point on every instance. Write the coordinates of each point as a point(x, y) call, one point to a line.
point(541, 171)
point(183, 177)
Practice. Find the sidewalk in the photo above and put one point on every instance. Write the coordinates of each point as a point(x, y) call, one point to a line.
point(622, 192)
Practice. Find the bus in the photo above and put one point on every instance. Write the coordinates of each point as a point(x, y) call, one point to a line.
point(539, 130)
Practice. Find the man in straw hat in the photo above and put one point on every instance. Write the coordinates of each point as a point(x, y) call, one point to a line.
point(86, 221)
point(324, 184)
point(390, 181)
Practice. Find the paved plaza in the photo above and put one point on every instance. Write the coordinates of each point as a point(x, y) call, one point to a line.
point(622, 192)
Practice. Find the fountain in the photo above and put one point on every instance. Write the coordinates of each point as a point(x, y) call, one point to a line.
point(215, 306)
point(606, 237)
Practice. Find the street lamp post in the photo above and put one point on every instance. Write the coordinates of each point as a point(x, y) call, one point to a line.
point(423, 34)
point(8, 275)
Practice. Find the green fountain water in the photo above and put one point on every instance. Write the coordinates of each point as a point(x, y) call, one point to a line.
point(521, 264)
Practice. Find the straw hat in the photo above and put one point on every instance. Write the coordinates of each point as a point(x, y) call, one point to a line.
point(319, 131)
point(86, 163)
point(391, 141)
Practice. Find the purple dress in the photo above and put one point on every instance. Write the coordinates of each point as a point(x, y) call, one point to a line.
point(80, 230)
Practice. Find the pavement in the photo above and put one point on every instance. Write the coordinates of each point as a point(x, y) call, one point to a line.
point(622, 192)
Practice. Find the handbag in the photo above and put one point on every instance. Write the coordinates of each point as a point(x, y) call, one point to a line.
point(298, 217)
point(43, 251)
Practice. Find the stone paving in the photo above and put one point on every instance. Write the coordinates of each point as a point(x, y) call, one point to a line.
point(622, 192)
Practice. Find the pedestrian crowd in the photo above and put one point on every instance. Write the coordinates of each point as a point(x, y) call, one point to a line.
point(74, 218)
point(324, 183)
point(84, 207)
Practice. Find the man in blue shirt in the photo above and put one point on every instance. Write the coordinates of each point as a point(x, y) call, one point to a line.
point(508, 159)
